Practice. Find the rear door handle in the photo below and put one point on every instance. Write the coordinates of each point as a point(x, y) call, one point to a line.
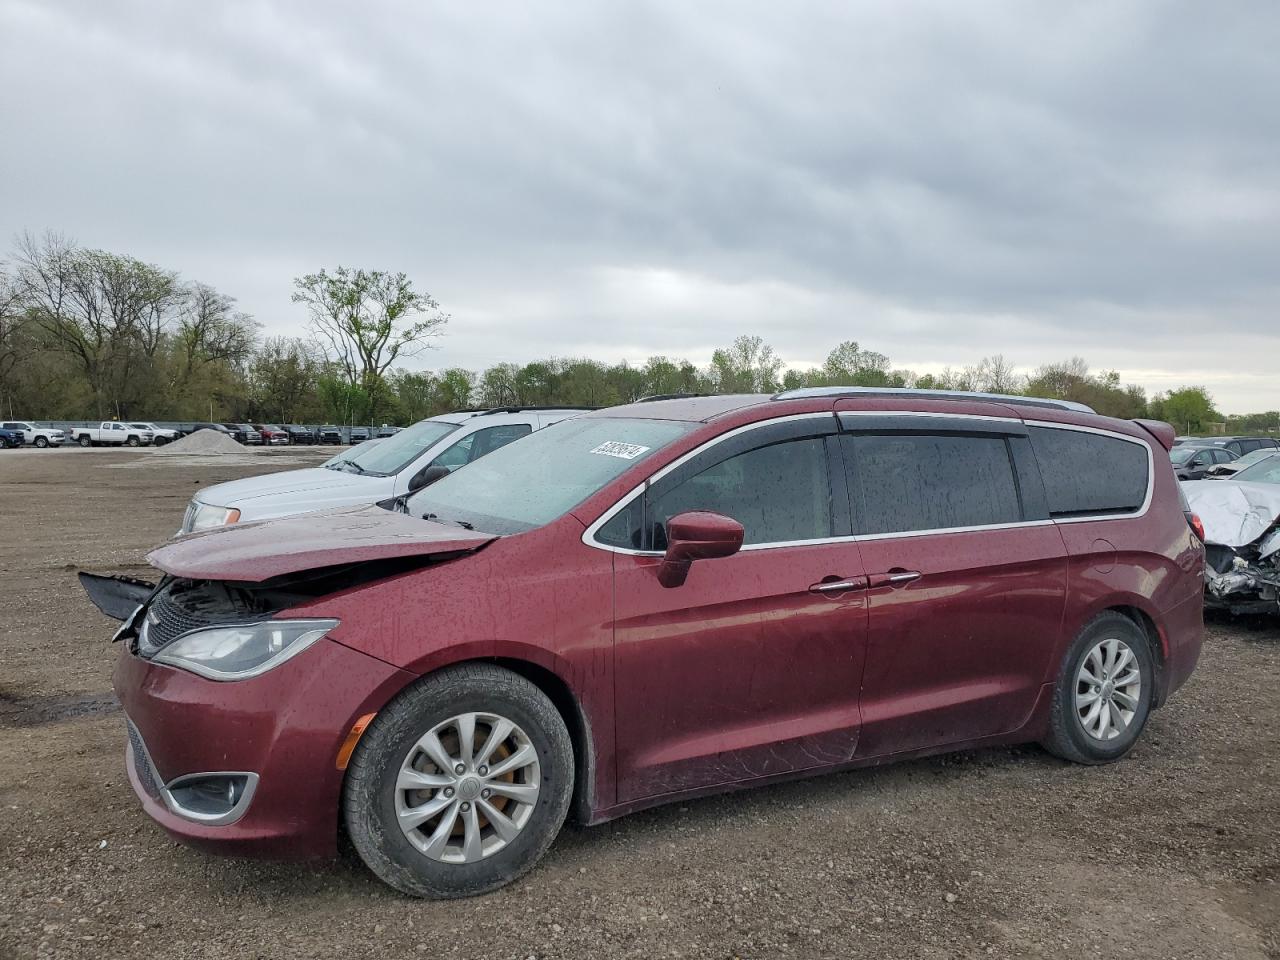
point(894, 578)
point(839, 586)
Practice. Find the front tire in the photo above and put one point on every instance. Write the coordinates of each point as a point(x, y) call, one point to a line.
point(1103, 695)
point(134, 442)
point(435, 807)
point(41, 443)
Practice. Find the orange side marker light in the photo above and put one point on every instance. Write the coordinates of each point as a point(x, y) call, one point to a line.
point(349, 744)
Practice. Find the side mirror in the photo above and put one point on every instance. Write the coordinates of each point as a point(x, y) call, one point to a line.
point(697, 535)
point(427, 477)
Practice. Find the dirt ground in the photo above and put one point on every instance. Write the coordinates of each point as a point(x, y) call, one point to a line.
point(1174, 852)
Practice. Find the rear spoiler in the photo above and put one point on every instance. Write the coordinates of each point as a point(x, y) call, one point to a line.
point(1162, 431)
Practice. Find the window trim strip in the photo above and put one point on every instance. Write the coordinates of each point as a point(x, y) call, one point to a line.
point(588, 535)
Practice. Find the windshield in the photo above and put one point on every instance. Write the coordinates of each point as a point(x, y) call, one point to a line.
point(1180, 455)
point(394, 453)
point(1265, 471)
point(1249, 459)
point(535, 480)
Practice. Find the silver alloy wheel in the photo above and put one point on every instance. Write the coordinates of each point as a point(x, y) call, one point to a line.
point(1108, 689)
point(460, 804)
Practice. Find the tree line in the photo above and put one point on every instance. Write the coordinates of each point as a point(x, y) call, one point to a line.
point(87, 334)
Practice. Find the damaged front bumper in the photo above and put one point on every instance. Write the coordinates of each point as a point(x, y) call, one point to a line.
point(1239, 581)
point(1242, 543)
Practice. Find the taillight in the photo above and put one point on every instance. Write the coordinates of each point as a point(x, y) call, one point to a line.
point(1196, 526)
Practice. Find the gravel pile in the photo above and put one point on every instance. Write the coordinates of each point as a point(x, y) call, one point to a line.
point(203, 441)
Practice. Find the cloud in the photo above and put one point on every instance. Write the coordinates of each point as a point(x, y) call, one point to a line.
point(938, 181)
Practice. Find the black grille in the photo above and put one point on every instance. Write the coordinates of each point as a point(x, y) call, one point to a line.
point(142, 762)
point(184, 606)
point(167, 620)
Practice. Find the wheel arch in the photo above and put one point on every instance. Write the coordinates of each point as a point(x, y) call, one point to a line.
point(575, 719)
point(1156, 640)
point(558, 690)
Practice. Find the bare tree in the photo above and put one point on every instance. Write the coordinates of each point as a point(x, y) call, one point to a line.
point(107, 311)
point(13, 318)
point(210, 329)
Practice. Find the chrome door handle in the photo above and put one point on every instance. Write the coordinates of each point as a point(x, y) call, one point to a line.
point(838, 586)
point(896, 579)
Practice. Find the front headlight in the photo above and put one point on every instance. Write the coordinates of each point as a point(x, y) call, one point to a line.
point(203, 516)
point(242, 651)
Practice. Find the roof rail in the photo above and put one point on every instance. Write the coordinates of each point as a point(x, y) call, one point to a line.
point(908, 392)
point(669, 396)
point(486, 411)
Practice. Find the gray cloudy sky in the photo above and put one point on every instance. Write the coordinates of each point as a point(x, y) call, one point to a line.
point(938, 181)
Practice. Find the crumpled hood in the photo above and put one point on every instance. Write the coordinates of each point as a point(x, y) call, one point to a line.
point(1234, 513)
point(335, 484)
point(253, 552)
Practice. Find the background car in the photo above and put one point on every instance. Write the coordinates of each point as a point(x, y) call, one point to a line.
point(1191, 462)
point(271, 434)
point(237, 430)
point(159, 435)
point(245, 433)
point(374, 471)
point(1232, 467)
point(304, 436)
point(329, 434)
point(385, 431)
point(1238, 446)
point(359, 434)
point(37, 435)
point(215, 427)
point(11, 438)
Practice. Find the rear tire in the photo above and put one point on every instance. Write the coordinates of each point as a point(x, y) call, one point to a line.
point(1102, 698)
point(85, 442)
point(437, 858)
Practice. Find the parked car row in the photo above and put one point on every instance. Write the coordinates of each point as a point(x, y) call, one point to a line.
point(1195, 458)
point(17, 433)
point(555, 612)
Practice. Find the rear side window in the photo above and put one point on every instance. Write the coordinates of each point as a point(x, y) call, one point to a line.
point(1090, 473)
point(913, 482)
point(778, 493)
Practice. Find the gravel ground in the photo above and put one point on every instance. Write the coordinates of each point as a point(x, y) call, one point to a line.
point(1174, 852)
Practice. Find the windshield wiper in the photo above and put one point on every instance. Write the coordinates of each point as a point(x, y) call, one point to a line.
point(339, 464)
point(439, 519)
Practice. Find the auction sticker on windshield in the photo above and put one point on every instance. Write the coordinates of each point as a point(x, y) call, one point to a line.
point(623, 451)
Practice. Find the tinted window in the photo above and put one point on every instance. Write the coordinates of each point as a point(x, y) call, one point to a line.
point(476, 445)
point(1222, 456)
point(1086, 473)
point(778, 493)
point(930, 482)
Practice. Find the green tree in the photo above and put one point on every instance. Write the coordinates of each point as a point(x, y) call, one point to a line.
point(1189, 409)
point(748, 365)
point(366, 320)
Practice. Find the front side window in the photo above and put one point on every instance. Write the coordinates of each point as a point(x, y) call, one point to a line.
point(779, 493)
point(478, 444)
point(1091, 473)
point(913, 482)
point(524, 485)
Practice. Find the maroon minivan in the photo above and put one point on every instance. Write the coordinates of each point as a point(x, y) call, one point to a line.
point(654, 602)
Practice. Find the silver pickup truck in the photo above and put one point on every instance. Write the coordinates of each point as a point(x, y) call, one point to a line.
point(35, 434)
point(111, 433)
